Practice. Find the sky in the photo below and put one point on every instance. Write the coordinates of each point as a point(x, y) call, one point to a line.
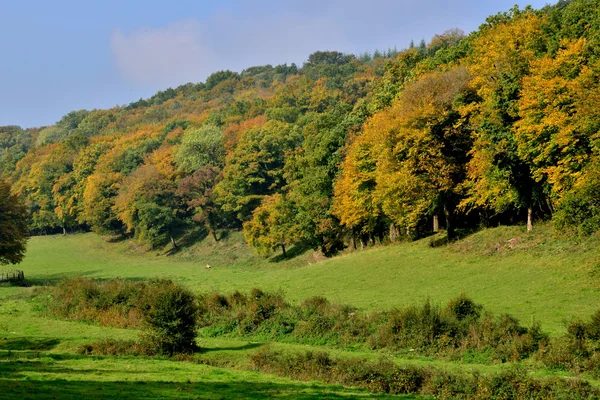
point(65, 55)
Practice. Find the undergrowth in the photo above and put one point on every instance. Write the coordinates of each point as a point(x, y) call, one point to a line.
point(459, 331)
point(384, 376)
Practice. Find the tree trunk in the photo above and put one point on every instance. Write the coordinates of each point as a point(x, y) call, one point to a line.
point(449, 223)
point(283, 250)
point(64, 231)
point(393, 233)
point(173, 242)
point(529, 219)
point(353, 241)
point(436, 224)
point(213, 233)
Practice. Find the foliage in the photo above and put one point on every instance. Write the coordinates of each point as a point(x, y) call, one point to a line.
point(272, 225)
point(13, 226)
point(165, 309)
point(200, 148)
point(477, 129)
point(197, 191)
point(384, 376)
point(170, 312)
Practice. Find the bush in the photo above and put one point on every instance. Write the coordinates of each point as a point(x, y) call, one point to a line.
point(170, 313)
point(111, 303)
point(384, 376)
point(166, 310)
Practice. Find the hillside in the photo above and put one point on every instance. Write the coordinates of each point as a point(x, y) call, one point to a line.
point(495, 127)
point(533, 276)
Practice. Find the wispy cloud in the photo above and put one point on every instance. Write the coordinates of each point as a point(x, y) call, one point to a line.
point(165, 56)
point(258, 32)
point(190, 50)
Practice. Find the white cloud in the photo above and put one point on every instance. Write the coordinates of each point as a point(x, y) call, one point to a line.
point(167, 56)
point(258, 32)
point(189, 51)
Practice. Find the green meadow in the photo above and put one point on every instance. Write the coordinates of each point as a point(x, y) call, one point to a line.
point(533, 276)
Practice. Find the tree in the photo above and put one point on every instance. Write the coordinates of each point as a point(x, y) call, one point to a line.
point(147, 204)
point(197, 192)
point(200, 148)
point(13, 226)
point(429, 142)
point(559, 116)
point(329, 57)
point(255, 168)
point(498, 179)
point(310, 173)
point(272, 226)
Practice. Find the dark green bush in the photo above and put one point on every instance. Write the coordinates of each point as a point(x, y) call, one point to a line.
point(464, 309)
point(170, 313)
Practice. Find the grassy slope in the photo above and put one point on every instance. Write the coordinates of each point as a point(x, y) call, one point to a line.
point(38, 360)
point(505, 268)
point(532, 276)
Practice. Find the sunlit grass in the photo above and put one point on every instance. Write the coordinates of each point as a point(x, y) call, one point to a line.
point(532, 276)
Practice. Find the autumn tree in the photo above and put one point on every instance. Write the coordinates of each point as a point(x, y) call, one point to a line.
point(429, 140)
point(272, 226)
point(499, 180)
point(197, 191)
point(13, 226)
point(147, 204)
point(559, 116)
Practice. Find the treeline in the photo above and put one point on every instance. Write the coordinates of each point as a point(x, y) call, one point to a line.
point(497, 126)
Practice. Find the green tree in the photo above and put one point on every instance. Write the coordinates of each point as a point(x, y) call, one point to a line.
point(272, 226)
point(201, 147)
point(255, 168)
point(13, 226)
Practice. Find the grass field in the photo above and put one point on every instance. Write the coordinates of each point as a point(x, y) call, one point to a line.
point(39, 360)
point(530, 275)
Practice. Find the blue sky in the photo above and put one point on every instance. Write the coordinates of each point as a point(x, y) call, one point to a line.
point(64, 55)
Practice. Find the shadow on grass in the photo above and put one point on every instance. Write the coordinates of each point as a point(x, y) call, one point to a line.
point(34, 355)
point(48, 280)
point(441, 239)
point(20, 344)
point(35, 378)
point(293, 252)
point(185, 240)
point(248, 346)
point(63, 389)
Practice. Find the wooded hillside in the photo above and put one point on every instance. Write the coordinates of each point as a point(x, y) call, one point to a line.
point(475, 130)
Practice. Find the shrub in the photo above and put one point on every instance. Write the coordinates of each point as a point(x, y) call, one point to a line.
point(464, 309)
point(384, 376)
point(111, 303)
point(170, 312)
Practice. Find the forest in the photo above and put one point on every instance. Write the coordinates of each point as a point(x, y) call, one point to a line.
point(500, 126)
